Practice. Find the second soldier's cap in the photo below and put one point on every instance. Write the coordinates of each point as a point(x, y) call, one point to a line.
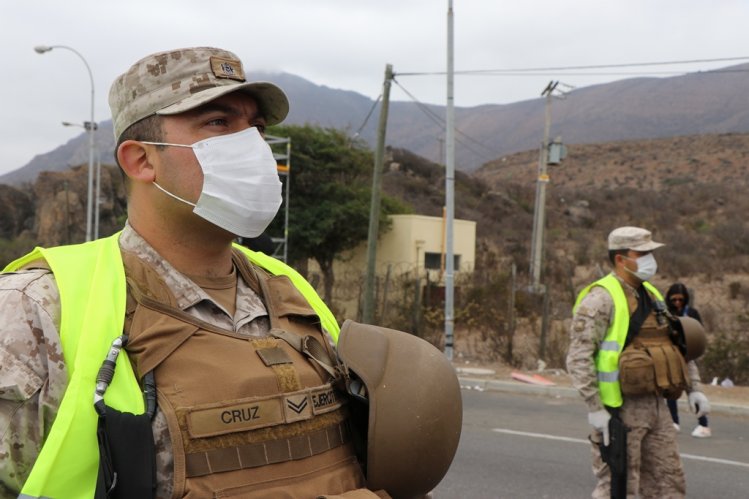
point(633, 238)
point(179, 80)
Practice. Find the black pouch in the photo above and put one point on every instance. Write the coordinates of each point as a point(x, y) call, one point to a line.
point(127, 455)
point(127, 462)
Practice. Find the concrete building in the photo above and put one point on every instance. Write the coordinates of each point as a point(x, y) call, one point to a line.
point(414, 245)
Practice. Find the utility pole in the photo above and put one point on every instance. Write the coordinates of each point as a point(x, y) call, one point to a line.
point(374, 207)
point(449, 185)
point(97, 197)
point(511, 312)
point(539, 212)
point(286, 208)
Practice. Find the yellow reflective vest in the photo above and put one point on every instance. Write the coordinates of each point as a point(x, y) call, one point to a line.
point(91, 282)
point(607, 357)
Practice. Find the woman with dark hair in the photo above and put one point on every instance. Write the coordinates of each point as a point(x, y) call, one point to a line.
point(677, 299)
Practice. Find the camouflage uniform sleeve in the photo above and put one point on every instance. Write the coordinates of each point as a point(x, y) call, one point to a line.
point(694, 377)
point(587, 330)
point(32, 371)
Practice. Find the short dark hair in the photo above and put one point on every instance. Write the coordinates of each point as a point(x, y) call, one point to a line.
point(149, 129)
point(613, 253)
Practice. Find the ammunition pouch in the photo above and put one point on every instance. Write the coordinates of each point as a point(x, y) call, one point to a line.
point(653, 366)
point(636, 372)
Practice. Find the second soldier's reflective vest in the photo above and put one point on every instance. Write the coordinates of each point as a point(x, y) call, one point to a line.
point(607, 358)
point(92, 286)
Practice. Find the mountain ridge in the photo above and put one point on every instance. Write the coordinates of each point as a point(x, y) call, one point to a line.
point(711, 102)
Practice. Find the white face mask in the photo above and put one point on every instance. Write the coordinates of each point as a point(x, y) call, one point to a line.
point(646, 267)
point(241, 189)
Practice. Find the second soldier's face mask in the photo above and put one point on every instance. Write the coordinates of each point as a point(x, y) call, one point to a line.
point(241, 189)
point(646, 267)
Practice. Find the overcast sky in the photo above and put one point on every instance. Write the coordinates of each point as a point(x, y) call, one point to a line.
point(342, 44)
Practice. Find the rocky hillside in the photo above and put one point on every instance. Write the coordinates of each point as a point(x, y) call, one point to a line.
point(656, 164)
point(689, 190)
point(52, 210)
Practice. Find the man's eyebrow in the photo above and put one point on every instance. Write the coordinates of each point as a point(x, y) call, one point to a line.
point(212, 107)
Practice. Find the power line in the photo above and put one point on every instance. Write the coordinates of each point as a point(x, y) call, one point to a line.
point(572, 68)
point(441, 123)
point(431, 114)
point(366, 119)
point(610, 73)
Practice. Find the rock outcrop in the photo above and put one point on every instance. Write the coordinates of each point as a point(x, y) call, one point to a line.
point(17, 211)
point(60, 205)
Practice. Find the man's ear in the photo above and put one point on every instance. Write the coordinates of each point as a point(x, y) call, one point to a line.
point(133, 158)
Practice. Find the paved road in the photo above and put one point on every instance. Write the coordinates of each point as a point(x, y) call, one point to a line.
point(525, 446)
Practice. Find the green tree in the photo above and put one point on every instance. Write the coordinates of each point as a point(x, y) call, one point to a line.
point(330, 190)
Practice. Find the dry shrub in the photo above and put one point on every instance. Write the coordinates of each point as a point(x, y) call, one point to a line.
point(727, 356)
point(14, 248)
point(733, 289)
point(557, 345)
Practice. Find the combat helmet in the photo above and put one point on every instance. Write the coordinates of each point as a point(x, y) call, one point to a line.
point(690, 337)
point(413, 411)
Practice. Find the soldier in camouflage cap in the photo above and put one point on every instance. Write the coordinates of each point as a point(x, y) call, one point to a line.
point(611, 317)
point(633, 238)
point(176, 81)
point(234, 414)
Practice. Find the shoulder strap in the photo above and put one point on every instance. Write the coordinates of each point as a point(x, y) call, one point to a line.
point(310, 347)
point(277, 267)
point(637, 318)
point(248, 272)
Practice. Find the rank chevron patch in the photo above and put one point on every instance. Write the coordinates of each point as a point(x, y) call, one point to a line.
point(297, 407)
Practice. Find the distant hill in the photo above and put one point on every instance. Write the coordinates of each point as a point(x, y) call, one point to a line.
point(646, 165)
point(638, 108)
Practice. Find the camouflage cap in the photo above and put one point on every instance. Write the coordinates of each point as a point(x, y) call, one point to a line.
point(634, 238)
point(179, 80)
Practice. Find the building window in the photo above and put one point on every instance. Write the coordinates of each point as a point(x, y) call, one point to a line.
point(433, 261)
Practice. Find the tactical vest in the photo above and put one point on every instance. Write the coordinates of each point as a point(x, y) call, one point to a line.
point(652, 363)
point(247, 417)
point(92, 286)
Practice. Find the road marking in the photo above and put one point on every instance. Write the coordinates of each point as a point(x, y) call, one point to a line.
point(586, 441)
point(541, 435)
point(714, 460)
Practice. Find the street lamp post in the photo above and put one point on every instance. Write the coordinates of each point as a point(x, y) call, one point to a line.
point(90, 128)
point(97, 195)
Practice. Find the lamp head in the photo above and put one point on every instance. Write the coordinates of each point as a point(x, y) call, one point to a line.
point(40, 49)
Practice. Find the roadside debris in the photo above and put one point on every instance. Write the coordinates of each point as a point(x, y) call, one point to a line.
point(533, 379)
